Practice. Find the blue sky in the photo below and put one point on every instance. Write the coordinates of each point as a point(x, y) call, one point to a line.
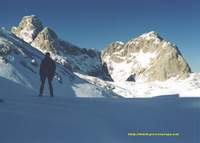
point(96, 23)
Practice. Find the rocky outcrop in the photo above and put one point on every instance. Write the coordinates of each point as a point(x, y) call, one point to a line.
point(46, 40)
point(28, 28)
point(149, 57)
point(86, 61)
point(131, 78)
point(105, 73)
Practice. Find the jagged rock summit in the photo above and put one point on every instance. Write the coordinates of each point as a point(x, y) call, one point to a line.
point(148, 57)
point(32, 31)
point(46, 40)
point(28, 28)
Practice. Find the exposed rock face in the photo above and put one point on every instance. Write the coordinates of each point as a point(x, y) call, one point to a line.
point(105, 73)
point(81, 60)
point(46, 40)
point(131, 78)
point(28, 28)
point(149, 57)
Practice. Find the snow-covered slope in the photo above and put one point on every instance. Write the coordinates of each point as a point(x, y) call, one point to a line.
point(189, 87)
point(19, 63)
point(28, 119)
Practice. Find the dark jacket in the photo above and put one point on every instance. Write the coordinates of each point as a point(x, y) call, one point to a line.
point(47, 68)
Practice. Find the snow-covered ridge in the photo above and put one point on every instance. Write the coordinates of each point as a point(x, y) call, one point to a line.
point(19, 63)
point(149, 34)
point(31, 30)
point(120, 42)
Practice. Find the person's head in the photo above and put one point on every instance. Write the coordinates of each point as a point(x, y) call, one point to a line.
point(47, 55)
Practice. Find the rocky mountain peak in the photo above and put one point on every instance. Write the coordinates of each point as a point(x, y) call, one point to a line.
point(81, 60)
point(49, 33)
point(149, 37)
point(32, 31)
point(32, 19)
point(150, 34)
point(28, 28)
point(46, 40)
point(148, 57)
point(119, 42)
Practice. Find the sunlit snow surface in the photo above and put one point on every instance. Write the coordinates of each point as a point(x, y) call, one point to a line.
point(189, 87)
point(122, 70)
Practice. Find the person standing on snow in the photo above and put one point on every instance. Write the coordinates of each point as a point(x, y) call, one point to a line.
point(47, 71)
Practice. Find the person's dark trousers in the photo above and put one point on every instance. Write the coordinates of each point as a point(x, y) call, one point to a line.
point(42, 86)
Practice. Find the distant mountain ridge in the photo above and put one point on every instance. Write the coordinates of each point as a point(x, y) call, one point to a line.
point(145, 66)
point(139, 59)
